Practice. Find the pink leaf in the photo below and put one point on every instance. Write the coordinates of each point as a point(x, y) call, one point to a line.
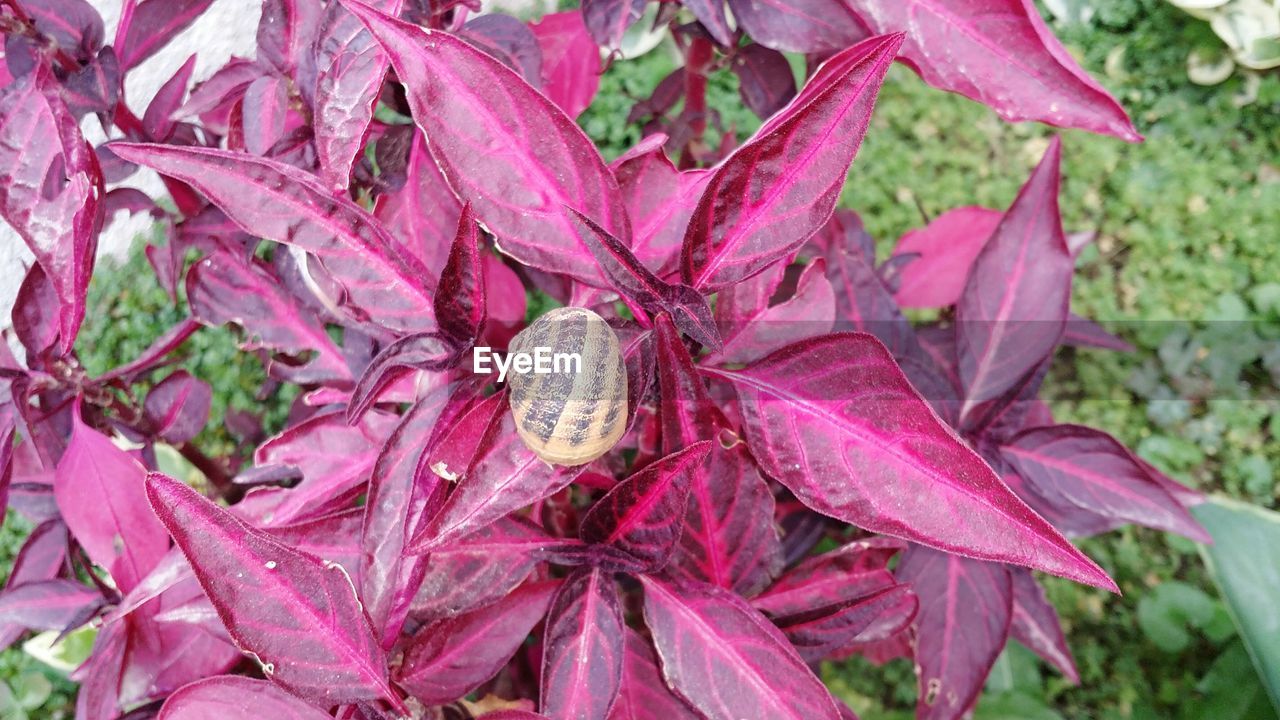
point(298, 615)
point(644, 695)
point(50, 190)
point(779, 188)
point(1000, 53)
point(725, 659)
point(42, 556)
point(449, 659)
point(99, 489)
point(154, 24)
point(178, 407)
point(265, 104)
point(965, 610)
point(1035, 624)
point(660, 200)
point(228, 696)
point(804, 26)
point(583, 648)
point(947, 247)
point(460, 298)
point(350, 68)
point(1014, 305)
point(761, 330)
point(48, 605)
point(608, 20)
point(835, 420)
point(503, 147)
point(1088, 469)
point(270, 199)
point(158, 121)
point(422, 215)
point(570, 61)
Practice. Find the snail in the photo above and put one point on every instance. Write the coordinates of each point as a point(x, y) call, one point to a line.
point(573, 413)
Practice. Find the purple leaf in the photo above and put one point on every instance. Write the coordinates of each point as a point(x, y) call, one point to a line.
point(296, 614)
point(449, 659)
point(265, 104)
point(224, 287)
point(1083, 332)
point(965, 610)
point(430, 351)
point(764, 79)
point(835, 420)
point(660, 200)
point(154, 23)
point(608, 20)
point(158, 121)
point(478, 569)
point(423, 215)
point(269, 199)
point(644, 694)
point(74, 25)
point(6, 458)
point(42, 556)
point(804, 26)
point(227, 696)
point(1014, 304)
point(460, 298)
point(583, 648)
point(504, 147)
point(178, 407)
point(99, 489)
point(504, 476)
point(1035, 624)
point(641, 289)
point(401, 492)
point(828, 632)
point(729, 538)
point(570, 61)
point(50, 190)
point(643, 515)
point(35, 315)
point(1090, 470)
point(725, 659)
point(350, 68)
point(761, 330)
point(94, 88)
point(509, 41)
point(48, 605)
point(712, 16)
point(947, 247)
point(779, 188)
point(846, 573)
point(286, 32)
point(1000, 53)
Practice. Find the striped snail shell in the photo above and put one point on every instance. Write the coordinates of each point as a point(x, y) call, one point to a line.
point(568, 417)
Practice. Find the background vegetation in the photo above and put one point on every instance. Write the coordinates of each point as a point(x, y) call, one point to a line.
point(1186, 266)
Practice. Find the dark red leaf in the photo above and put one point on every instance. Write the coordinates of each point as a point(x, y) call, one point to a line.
point(430, 351)
point(608, 20)
point(460, 297)
point(828, 632)
point(447, 660)
point(74, 25)
point(158, 120)
point(42, 556)
point(296, 614)
point(805, 26)
point(50, 190)
point(1035, 624)
point(780, 187)
point(227, 696)
point(503, 147)
point(286, 32)
point(385, 284)
point(712, 16)
point(835, 420)
point(154, 24)
point(1000, 53)
point(644, 694)
point(423, 215)
point(509, 41)
point(966, 607)
point(725, 659)
point(583, 648)
point(178, 407)
point(764, 79)
point(758, 330)
point(855, 570)
point(570, 61)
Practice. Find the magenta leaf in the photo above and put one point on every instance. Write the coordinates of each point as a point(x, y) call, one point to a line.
point(449, 659)
point(835, 420)
point(712, 16)
point(99, 490)
point(401, 492)
point(6, 458)
point(946, 247)
point(423, 215)
point(1000, 53)
point(660, 200)
point(48, 605)
point(50, 190)
point(158, 120)
point(583, 648)
point(966, 607)
point(296, 614)
point(853, 571)
point(764, 79)
point(1083, 332)
point(828, 632)
point(1014, 305)
point(1035, 624)
point(154, 24)
point(178, 407)
point(1088, 469)
point(226, 696)
point(643, 514)
point(503, 147)
point(226, 288)
point(759, 329)
point(729, 538)
point(385, 283)
point(643, 694)
point(779, 188)
point(74, 25)
point(608, 20)
point(478, 569)
point(508, 40)
point(570, 61)
point(263, 110)
point(504, 476)
point(725, 659)
point(286, 32)
point(430, 351)
point(460, 297)
point(804, 26)
point(41, 558)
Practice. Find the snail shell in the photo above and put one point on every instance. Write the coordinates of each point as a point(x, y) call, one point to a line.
point(570, 418)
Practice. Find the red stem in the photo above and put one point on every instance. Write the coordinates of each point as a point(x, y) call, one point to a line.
point(697, 60)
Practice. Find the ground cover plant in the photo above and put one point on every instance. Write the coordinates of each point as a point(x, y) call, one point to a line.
point(721, 535)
